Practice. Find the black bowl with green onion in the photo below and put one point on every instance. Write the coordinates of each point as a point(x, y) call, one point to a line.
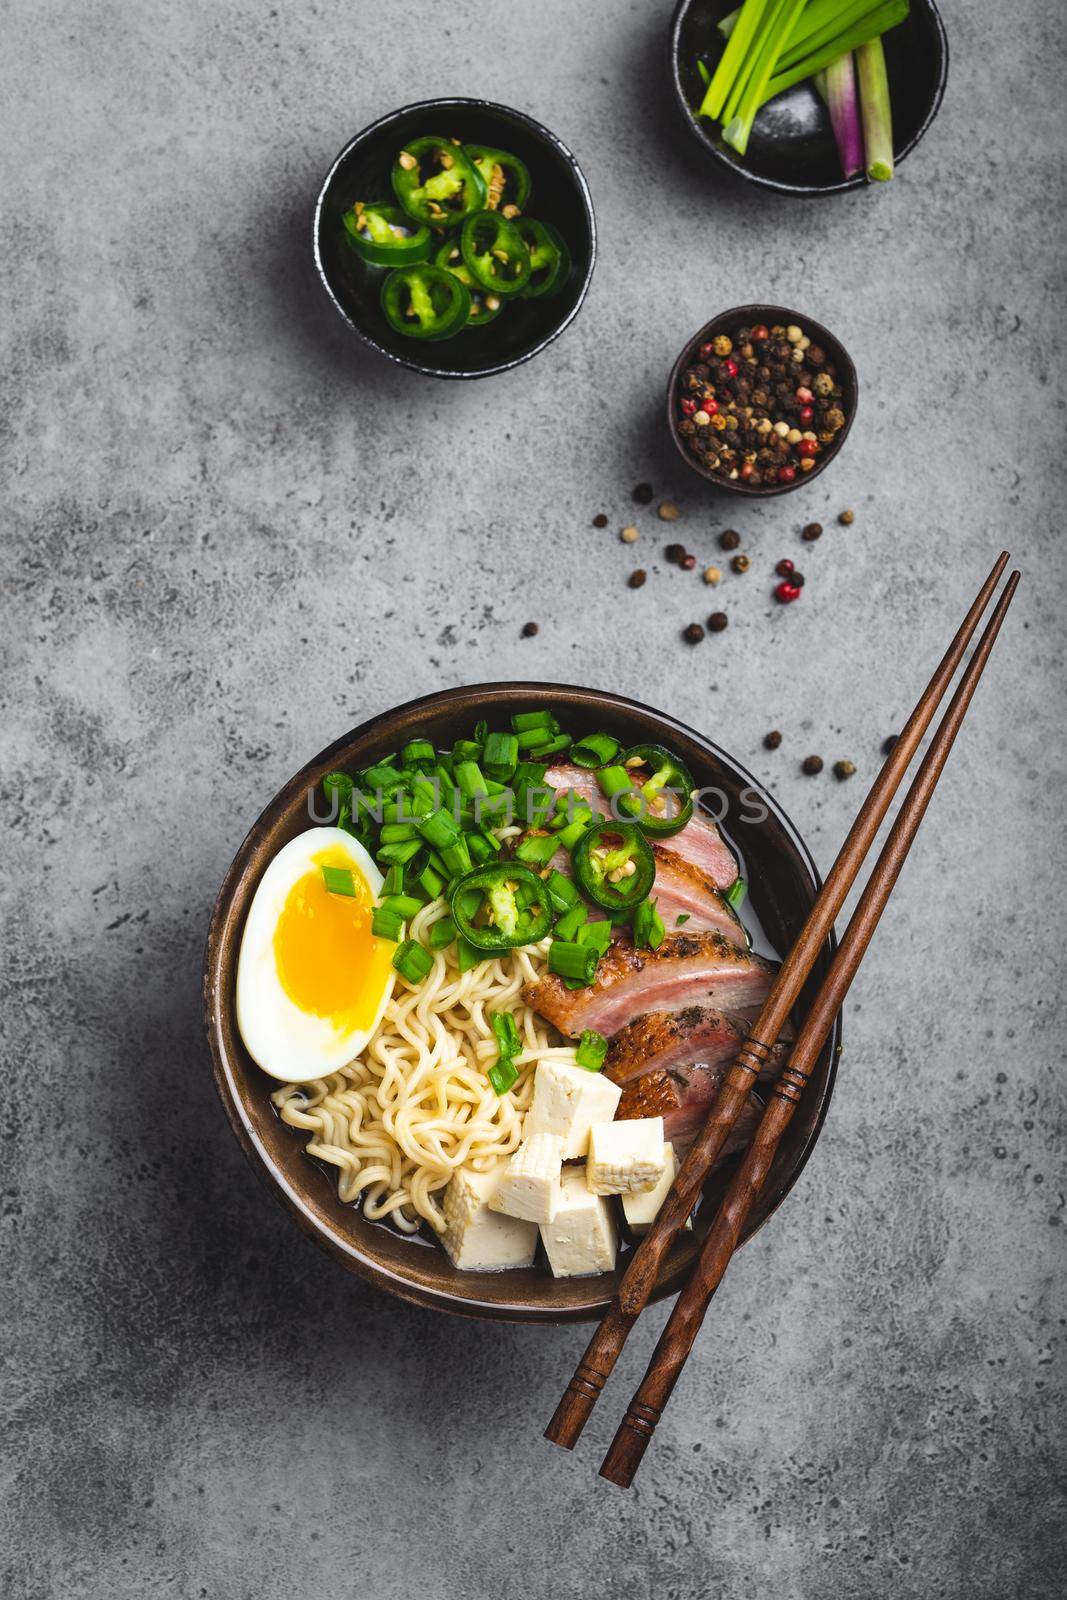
point(559, 199)
point(791, 145)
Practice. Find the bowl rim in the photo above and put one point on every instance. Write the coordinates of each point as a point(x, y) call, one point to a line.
point(345, 1251)
point(539, 130)
point(804, 191)
point(765, 313)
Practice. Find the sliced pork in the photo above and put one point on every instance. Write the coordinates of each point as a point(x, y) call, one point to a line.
point(676, 1039)
point(700, 843)
point(684, 889)
point(688, 969)
point(683, 1101)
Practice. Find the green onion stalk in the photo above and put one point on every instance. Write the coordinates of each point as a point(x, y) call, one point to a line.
point(837, 85)
point(877, 112)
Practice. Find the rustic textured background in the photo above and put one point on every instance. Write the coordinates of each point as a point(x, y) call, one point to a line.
point(231, 534)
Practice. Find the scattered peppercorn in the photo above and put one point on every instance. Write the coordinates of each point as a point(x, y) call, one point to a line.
point(637, 578)
point(787, 591)
point(718, 621)
point(668, 511)
point(729, 538)
point(847, 518)
point(812, 765)
point(629, 535)
point(529, 629)
point(812, 532)
point(688, 562)
point(712, 575)
point(643, 494)
point(600, 520)
point(844, 769)
point(773, 739)
point(887, 747)
point(675, 553)
point(740, 563)
point(784, 567)
point(693, 633)
point(797, 579)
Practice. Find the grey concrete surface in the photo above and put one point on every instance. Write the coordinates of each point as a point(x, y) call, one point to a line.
point(231, 534)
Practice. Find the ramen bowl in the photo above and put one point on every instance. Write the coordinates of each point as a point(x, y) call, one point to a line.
point(782, 884)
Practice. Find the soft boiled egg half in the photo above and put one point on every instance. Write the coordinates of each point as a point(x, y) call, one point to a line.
point(312, 979)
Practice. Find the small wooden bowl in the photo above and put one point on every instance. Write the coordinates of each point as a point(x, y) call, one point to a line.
point(783, 884)
point(792, 149)
point(559, 195)
point(727, 322)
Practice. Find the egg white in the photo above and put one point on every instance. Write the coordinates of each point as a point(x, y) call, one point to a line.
point(289, 1043)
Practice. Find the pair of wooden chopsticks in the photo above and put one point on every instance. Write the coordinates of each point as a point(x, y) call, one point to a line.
point(636, 1430)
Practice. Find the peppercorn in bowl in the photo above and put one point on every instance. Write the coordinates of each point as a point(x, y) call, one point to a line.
point(456, 237)
point(761, 399)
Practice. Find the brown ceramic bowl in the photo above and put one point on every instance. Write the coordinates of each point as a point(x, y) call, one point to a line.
point(727, 322)
point(782, 881)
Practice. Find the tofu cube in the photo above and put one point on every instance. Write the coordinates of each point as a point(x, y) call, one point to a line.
point(480, 1240)
point(529, 1186)
point(568, 1100)
point(581, 1238)
point(641, 1210)
point(626, 1157)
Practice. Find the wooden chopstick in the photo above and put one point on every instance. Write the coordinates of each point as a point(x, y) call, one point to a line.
point(669, 1357)
point(639, 1279)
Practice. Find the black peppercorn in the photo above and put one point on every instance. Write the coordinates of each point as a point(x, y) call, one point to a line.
point(529, 629)
point(846, 518)
point(718, 621)
point(693, 633)
point(643, 494)
point(740, 563)
point(687, 563)
point(729, 539)
point(600, 520)
point(812, 765)
point(844, 769)
point(773, 739)
point(889, 743)
point(796, 579)
point(675, 553)
point(637, 578)
point(812, 532)
point(784, 568)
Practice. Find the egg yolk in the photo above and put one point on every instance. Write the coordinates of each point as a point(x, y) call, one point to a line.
point(328, 960)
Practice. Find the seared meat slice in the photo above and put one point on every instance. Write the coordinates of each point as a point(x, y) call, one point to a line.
point(687, 969)
point(684, 888)
point(700, 843)
point(683, 1101)
point(675, 1040)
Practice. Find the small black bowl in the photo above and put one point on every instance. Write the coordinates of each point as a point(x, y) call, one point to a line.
point(727, 322)
point(792, 146)
point(559, 195)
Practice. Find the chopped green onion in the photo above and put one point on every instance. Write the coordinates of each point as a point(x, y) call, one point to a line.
point(465, 750)
point(442, 933)
point(569, 924)
point(381, 777)
point(412, 961)
point(404, 905)
point(597, 934)
point(570, 807)
point(338, 783)
point(592, 1050)
point(394, 832)
point(386, 924)
point(467, 955)
point(480, 847)
point(393, 882)
point(402, 851)
point(456, 857)
point(439, 829)
point(469, 779)
point(507, 1034)
point(736, 892)
point(577, 961)
point(683, 916)
point(595, 750)
point(419, 753)
point(501, 755)
point(537, 849)
point(502, 1075)
point(561, 891)
point(648, 926)
point(554, 747)
point(339, 880)
point(525, 721)
point(618, 782)
point(569, 836)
